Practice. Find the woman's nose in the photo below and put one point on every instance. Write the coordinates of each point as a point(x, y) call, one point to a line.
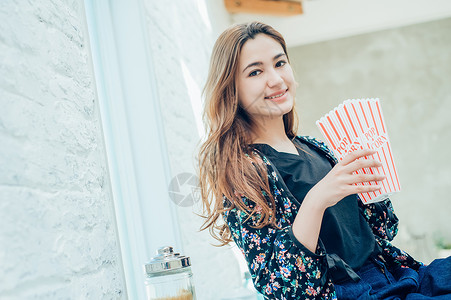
point(274, 79)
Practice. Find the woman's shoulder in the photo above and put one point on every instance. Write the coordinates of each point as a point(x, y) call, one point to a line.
point(256, 154)
point(312, 140)
point(316, 143)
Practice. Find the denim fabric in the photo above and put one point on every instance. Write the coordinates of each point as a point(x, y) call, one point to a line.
point(431, 282)
point(435, 281)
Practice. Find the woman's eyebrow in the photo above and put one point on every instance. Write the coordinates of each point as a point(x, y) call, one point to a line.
point(252, 64)
point(279, 55)
point(259, 63)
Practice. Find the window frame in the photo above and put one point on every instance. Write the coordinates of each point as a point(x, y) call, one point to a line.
point(136, 152)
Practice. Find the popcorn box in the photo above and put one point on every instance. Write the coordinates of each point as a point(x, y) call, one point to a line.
point(359, 124)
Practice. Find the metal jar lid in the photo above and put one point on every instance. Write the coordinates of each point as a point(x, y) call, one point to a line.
point(166, 260)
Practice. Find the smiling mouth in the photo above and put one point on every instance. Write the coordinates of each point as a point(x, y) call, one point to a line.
point(277, 96)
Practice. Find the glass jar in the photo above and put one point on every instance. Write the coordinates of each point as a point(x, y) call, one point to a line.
point(169, 276)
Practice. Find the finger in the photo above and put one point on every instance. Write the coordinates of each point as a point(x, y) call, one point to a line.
point(358, 189)
point(361, 164)
point(356, 155)
point(360, 178)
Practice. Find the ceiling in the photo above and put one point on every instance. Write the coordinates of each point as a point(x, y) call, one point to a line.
point(331, 19)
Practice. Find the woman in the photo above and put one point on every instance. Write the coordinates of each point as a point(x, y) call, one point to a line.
point(286, 202)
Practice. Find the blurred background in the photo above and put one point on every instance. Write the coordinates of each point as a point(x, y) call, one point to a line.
point(100, 121)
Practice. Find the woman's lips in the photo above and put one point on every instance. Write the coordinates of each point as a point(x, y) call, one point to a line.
point(277, 96)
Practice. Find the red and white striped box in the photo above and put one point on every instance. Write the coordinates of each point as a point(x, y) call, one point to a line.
point(359, 124)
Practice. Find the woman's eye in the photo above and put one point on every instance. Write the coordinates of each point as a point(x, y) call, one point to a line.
point(254, 73)
point(280, 63)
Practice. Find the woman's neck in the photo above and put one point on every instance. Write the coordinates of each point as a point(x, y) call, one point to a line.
point(271, 132)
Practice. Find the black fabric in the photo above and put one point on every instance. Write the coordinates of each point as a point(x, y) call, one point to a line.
point(344, 231)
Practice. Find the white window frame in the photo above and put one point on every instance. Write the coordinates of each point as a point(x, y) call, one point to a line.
point(134, 134)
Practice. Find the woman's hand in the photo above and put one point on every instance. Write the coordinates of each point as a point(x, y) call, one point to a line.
point(337, 184)
point(341, 180)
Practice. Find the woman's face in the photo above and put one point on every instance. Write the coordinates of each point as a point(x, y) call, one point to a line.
point(264, 79)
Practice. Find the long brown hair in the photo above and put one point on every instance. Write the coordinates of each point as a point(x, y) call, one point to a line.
point(227, 167)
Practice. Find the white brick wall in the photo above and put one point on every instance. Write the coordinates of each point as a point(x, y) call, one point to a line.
point(58, 235)
point(57, 230)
